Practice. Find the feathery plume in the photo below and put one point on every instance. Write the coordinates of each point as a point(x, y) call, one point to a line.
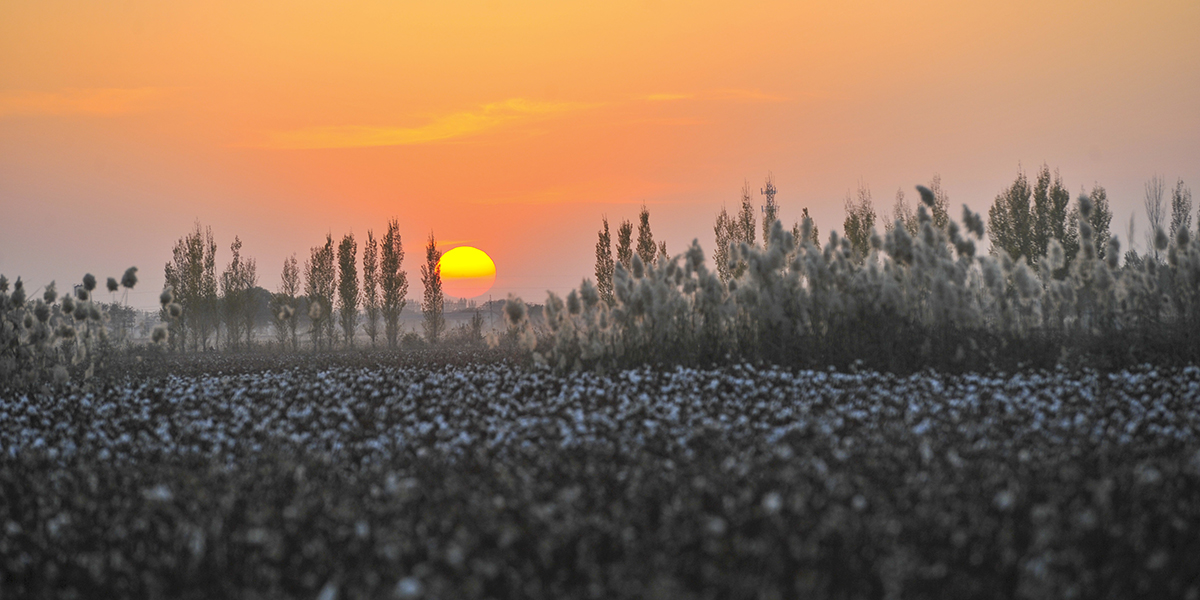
point(89, 282)
point(129, 279)
point(112, 284)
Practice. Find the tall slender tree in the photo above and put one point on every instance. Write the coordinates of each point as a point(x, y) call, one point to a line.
point(1181, 208)
point(1100, 219)
point(393, 282)
point(236, 298)
point(646, 248)
point(370, 292)
point(770, 208)
point(348, 293)
point(860, 221)
point(625, 245)
point(431, 278)
point(747, 232)
point(192, 276)
point(903, 213)
point(1011, 219)
point(320, 273)
point(725, 231)
point(1155, 213)
point(940, 211)
point(604, 264)
point(284, 306)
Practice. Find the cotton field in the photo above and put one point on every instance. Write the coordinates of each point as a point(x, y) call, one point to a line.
point(472, 477)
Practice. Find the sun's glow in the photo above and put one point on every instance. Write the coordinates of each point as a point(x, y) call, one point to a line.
point(467, 272)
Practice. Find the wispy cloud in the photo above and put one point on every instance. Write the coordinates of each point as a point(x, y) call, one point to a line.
point(725, 94)
point(88, 101)
point(439, 128)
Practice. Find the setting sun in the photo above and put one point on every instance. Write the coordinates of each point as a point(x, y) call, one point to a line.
point(467, 272)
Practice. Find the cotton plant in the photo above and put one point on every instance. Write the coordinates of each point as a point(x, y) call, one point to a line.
point(40, 337)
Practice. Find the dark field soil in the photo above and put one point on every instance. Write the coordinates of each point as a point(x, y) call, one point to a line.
point(464, 476)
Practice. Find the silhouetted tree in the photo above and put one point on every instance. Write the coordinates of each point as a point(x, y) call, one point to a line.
point(1181, 208)
point(902, 213)
point(1155, 213)
point(370, 295)
point(192, 276)
point(625, 245)
point(604, 264)
point(431, 278)
point(1011, 219)
point(646, 248)
point(770, 208)
point(393, 282)
point(726, 232)
point(284, 303)
point(320, 275)
point(236, 301)
point(860, 221)
point(747, 232)
point(940, 210)
point(348, 287)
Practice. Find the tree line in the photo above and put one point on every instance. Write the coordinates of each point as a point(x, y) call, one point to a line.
point(200, 307)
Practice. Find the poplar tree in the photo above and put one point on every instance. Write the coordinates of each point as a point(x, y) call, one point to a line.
point(902, 213)
point(1181, 208)
point(192, 275)
point(236, 297)
point(770, 209)
point(370, 291)
point(1011, 219)
point(860, 221)
point(940, 210)
point(431, 278)
point(348, 287)
point(284, 305)
point(625, 245)
point(646, 248)
point(320, 274)
point(393, 282)
point(747, 232)
point(604, 264)
point(725, 232)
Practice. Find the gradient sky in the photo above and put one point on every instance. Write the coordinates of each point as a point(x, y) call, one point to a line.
point(515, 126)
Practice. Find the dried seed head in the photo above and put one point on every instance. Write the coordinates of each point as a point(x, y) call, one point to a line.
point(973, 222)
point(574, 306)
point(1112, 255)
point(167, 296)
point(1085, 206)
point(42, 311)
point(1160, 239)
point(514, 310)
point(18, 295)
point(82, 294)
point(1182, 238)
point(89, 282)
point(926, 196)
point(3, 283)
point(129, 279)
point(94, 312)
point(112, 284)
point(50, 294)
point(175, 310)
point(27, 322)
point(68, 305)
point(159, 335)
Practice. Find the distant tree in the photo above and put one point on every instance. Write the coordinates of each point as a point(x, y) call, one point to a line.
point(1155, 213)
point(348, 293)
point(902, 213)
point(726, 233)
point(1181, 208)
point(625, 245)
point(860, 221)
point(770, 208)
point(393, 282)
point(192, 276)
point(940, 211)
point(646, 248)
point(604, 264)
point(236, 301)
point(284, 304)
point(320, 275)
point(814, 237)
point(1100, 219)
point(431, 278)
point(370, 292)
point(1050, 217)
point(1011, 219)
point(747, 232)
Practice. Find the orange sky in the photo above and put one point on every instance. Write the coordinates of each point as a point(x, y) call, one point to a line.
point(514, 126)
